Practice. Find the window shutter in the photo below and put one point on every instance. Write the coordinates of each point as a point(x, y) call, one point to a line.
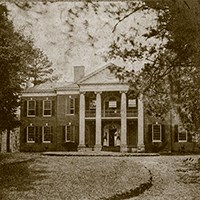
point(189, 137)
point(175, 133)
point(150, 133)
point(53, 108)
point(76, 105)
point(25, 135)
point(63, 133)
point(67, 105)
point(37, 108)
point(163, 133)
point(51, 134)
point(76, 135)
point(25, 109)
point(37, 136)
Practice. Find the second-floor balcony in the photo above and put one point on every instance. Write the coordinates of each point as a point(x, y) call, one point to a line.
point(111, 113)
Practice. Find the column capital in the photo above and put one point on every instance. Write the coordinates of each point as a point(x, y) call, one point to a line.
point(98, 92)
point(123, 91)
point(81, 92)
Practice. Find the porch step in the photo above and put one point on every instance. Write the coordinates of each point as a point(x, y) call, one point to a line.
point(113, 149)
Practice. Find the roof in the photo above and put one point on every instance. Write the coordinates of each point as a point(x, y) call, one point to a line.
point(96, 72)
point(51, 87)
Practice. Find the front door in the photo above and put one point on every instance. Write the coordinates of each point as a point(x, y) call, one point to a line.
point(112, 137)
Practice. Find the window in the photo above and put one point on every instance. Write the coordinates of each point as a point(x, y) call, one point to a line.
point(69, 133)
point(46, 134)
point(156, 132)
point(47, 105)
point(71, 106)
point(132, 103)
point(182, 134)
point(30, 134)
point(112, 104)
point(92, 104)
point(31, 107)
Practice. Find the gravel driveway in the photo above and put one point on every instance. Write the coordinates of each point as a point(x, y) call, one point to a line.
point(174, 177)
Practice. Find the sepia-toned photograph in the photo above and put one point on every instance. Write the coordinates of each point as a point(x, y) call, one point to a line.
point(99, 99)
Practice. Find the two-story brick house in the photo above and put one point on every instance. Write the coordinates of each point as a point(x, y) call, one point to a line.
point(96, 112)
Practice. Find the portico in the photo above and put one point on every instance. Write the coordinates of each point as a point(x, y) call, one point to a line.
point(104, 102)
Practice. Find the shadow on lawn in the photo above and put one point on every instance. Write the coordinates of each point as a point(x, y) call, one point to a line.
point(18, 176)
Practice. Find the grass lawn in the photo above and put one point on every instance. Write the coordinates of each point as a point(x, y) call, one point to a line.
point(32, 176)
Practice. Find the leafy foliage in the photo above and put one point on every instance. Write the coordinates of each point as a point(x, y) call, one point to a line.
point(168, 49)
point(18, 57)
point(171, 73)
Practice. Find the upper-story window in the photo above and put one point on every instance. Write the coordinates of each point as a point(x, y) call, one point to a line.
point(31, 108)
point(70, 104)
point(46, 134)
point(30, 134)
point(47, 108)
point(156, 132)
point(132, 103)
point(112, 104)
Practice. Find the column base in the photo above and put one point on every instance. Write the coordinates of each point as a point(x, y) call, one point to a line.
point(123, 148)
point(97, 147)
point(81, 148)
point(141, 148)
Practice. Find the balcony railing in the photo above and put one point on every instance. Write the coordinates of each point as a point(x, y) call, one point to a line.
point(132, 112)
point(90, 113)
point(112, 113)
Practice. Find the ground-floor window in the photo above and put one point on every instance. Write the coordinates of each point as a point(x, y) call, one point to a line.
point(46, 134)
point(156, 132)
point(30, 131)
point(69, 133)
point(182, 134)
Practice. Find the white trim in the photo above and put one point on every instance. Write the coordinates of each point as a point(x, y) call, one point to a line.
point(104, 87)
point(43, 141)
point(70, 127)
point(44, 109)
point(31, 109)
point(68, 92)
point(160, 133)
point(186, 133)
point(35, 94)
point(81, 81)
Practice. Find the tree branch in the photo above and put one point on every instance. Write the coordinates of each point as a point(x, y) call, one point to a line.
point(126, 16)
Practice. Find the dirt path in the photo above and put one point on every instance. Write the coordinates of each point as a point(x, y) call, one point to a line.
point(174, 177)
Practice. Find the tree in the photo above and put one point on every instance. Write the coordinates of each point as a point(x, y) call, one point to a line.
point(170, 76)
point(17, 54)
point(171, 73)
point(40, 71)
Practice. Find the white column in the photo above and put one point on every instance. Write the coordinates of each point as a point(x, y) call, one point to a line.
point(123, 145)
point(140, 125)
point(98, 144)
point(82, 122)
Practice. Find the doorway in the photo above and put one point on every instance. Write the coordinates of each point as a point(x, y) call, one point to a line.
point(112, 137)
